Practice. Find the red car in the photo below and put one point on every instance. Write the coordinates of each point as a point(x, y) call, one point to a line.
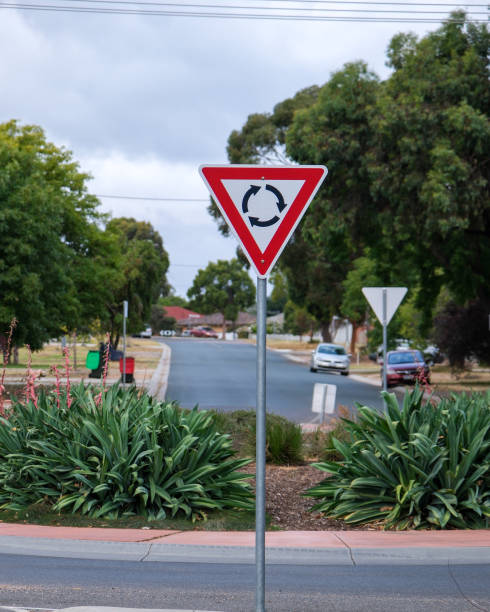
point(406, 366)
point(203, 332)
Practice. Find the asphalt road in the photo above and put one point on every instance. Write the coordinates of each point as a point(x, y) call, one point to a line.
point(222, 375)
point(46, 582)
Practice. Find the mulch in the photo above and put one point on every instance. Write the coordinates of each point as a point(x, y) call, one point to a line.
point(285, 504)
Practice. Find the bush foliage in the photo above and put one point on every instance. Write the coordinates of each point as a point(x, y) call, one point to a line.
point(422, 466)
point(284, 440)
point(125, 455)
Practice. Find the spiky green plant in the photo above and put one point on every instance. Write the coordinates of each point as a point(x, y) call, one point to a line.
point(284, 442)
point(423, 465)
point(127, 455)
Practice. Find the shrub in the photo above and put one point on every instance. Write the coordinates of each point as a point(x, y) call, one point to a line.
point(126, 456)
point(283, 438)
point(339, 432)
point(422, 466)
point(284, 442)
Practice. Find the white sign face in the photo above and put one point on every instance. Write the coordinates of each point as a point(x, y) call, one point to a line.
point(394, 297)
point(324, 398)
point(262, 204)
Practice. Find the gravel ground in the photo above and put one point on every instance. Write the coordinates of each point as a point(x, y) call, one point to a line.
point(286, 506)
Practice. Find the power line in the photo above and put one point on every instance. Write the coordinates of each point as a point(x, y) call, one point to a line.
point(215, 15)
point(323, 9)
point(123, 197)
point(368, 2)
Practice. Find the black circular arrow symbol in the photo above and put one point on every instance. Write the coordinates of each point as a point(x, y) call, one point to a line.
point(254, 190)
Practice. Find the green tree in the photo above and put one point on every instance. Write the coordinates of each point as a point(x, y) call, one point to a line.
point(319, 125)
point(52, 248)
point(262, 141)
point(354, 305)
point(173, 300)
point(224, 287)
point(461, 332)
point(143, 263)
point(159, 320)
point(334, 131)
point(408, 172)
point(297, 320)
point(428, 166)
point(279, 294)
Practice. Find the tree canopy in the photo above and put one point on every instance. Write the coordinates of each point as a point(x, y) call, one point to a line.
point(223, 286)
point(143, 262)
point(428, 165)
point(60, 268)
point(408, 172)
point(49, 230)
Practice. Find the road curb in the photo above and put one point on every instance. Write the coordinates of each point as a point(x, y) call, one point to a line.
point(159, 381)
point(291, 548)
point(94, 609)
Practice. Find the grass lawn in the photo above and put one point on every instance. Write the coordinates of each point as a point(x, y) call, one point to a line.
point(216, 521)
point(146, 353)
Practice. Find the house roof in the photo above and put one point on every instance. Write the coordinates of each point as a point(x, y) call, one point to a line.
point(179, 313)
point(189, 318)
point(217, 319)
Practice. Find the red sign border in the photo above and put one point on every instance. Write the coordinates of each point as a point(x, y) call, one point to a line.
point(312, 176)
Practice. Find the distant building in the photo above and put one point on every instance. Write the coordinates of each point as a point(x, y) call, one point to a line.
point(187, 319)
point(183, 316)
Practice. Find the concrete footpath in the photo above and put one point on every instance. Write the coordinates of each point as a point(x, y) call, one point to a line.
point(283, 547)
point(327, 548)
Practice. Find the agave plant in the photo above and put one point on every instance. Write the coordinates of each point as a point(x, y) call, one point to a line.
point(425, 465)
point(124, 455)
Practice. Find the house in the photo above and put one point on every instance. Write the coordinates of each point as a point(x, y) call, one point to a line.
point(184, 317)
point(187, 319)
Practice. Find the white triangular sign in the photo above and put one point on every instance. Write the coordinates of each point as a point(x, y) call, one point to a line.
point(394, 297)
point(262, 205)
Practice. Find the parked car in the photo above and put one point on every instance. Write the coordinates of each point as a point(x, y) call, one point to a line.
point(330, 357)
point(406, 366)
point(146, 333)
point(203, 332)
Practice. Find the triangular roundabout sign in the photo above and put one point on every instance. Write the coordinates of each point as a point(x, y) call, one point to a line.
point(262, 205)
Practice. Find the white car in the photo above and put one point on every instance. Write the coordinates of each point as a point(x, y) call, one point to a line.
point(331, 358)
point(147, 333)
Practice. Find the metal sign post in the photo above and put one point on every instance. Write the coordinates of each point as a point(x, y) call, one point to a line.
point(385, 340)
point(384, 301)
point(260, 446)
point(262, 205)
point(125, 316)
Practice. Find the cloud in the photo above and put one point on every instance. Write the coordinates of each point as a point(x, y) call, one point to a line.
point(143, 101)
point(166, 86)
point(190, 235)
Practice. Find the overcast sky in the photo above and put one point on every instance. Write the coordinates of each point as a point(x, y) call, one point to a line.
point(142, 101)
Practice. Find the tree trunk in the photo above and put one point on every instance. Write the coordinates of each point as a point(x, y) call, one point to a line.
point(74, 350)
point(3, 347)
point(353, 340)
point(16, 355)
point(326, 335)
